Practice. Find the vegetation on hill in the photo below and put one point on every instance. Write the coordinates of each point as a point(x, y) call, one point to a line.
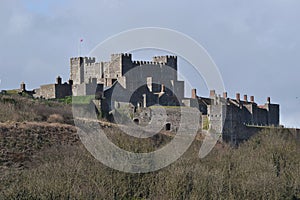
point(41, 160)
point(265, 167)
point(14, 107)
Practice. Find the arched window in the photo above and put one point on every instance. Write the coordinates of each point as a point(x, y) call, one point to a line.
point(136, 121)
point(168, 126)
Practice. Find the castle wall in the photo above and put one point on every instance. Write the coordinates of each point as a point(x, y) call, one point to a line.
point(239, 114)
point(216, 116)
point(63, 90)
point(47, 91)
point(190, 103)
point(178, 88)
point(53, 91)
point(172, 117)
point(92, 70)
point(87, 89)
point(273, 114)
point(260, 116)
point(160, 75)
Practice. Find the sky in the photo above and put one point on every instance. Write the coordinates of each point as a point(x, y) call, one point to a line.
point(255, 44)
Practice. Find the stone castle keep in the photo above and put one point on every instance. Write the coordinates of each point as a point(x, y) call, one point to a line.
point(138, 85)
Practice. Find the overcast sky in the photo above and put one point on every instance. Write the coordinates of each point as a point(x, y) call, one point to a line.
point(255, 44)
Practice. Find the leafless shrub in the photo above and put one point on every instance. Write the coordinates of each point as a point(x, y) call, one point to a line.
point(18, 108)
point(265, 167)
point(55, 118)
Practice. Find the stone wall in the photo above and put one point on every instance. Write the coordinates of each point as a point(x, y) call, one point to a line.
point(168, 118)
point(87, 89)
point(53, 91)
point(47, 91)
point(63, 90)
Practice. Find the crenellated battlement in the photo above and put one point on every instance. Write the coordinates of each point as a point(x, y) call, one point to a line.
point(127, 56)
point(120, 63)
point(85, 59)
point(140, 62)
point(164, 59)
point(75, 58)
point(90, 64)
point(89, 60)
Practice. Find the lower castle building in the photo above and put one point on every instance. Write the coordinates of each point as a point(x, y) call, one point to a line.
point(233, 117)
point(57, 90)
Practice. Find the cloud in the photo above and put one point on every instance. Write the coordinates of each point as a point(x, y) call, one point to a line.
point(19, 23)
point(255, 44)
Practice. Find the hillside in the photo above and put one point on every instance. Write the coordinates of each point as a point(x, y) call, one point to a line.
point(43, 158)
point(23, 108)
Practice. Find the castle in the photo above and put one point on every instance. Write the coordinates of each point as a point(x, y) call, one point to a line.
point(142, 84)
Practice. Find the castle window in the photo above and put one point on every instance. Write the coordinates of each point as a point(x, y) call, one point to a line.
point(168, 126)
point(136, 121)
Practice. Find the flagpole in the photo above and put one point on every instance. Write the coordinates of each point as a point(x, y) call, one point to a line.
point(79, 47)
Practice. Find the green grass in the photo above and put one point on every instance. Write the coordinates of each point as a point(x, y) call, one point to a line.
point(66, 100)
point(205, 123)
point(12, 92)
point(82, 99)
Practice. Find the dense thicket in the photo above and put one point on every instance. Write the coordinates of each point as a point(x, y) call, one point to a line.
point(265, 167)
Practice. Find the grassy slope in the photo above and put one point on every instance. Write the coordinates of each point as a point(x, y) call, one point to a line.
point(47, 161)
point(19, 108)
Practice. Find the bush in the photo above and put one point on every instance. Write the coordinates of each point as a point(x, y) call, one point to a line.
point(19, 108)
point(55, 118)
point(268, 170)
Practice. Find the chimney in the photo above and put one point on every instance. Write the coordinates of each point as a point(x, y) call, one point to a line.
point(238, 96)
point(225, 95)
point(145, 100)
point(245, 98)
point(212, 93)
point(23, 87)
point(268, 100)
point(58, 80)
point(162, 88)
point(252, 99)
point(194, 94)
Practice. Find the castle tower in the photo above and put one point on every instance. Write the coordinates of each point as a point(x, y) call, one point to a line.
point(77, 70)
point(126, 63)
point(119, 65)
point(170, 61)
